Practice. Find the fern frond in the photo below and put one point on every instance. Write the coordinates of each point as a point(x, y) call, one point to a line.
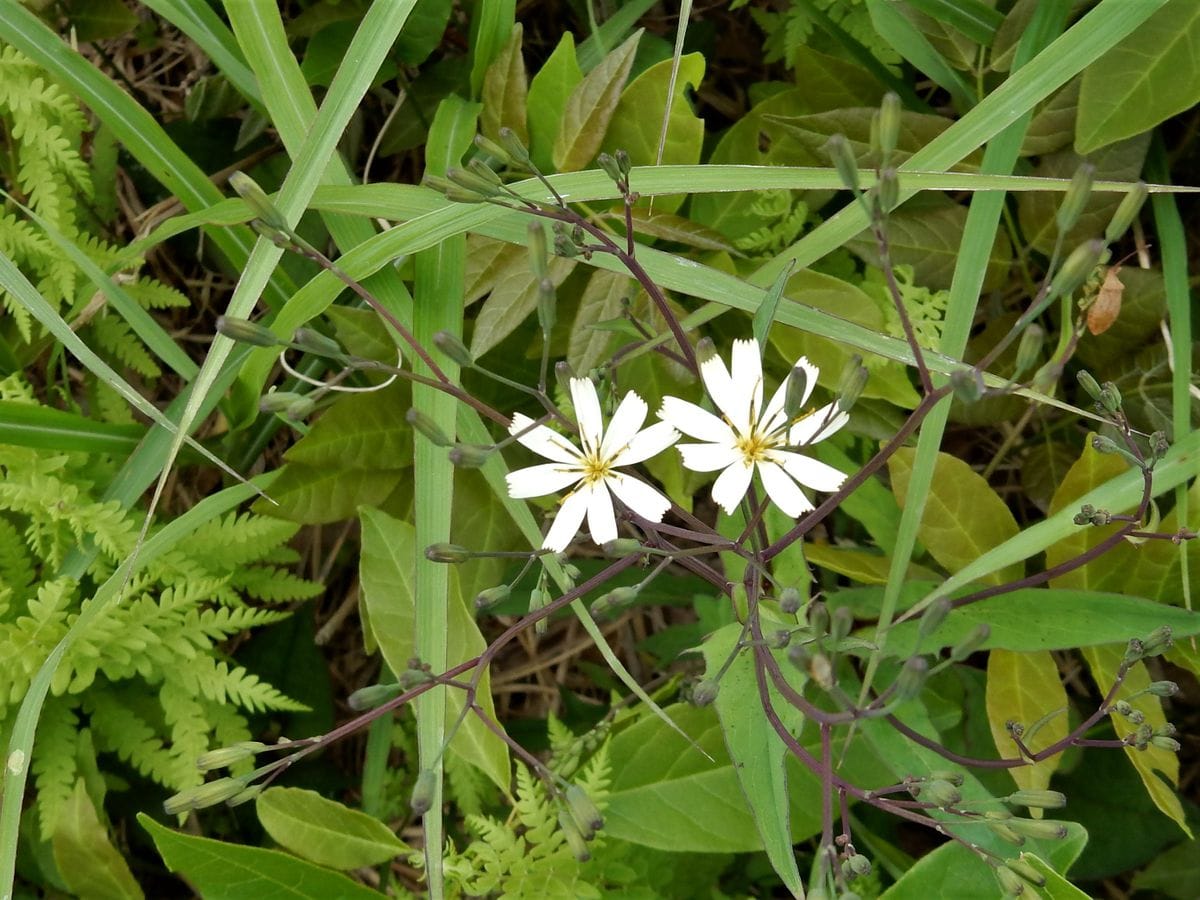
point(16, 566)
point(235, 540)
point(54, 762)
point(220, 682)
point(118, 729)
point(113, 334)
point(189, 728)
point(152, 294)
point(273, 585)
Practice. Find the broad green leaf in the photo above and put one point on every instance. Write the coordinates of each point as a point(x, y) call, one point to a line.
point(1050, 619)
point(1043, 469)
point(831, 82)
point(757, 752)
point(548, 92)
point(451, 133)
point(926, 235)
point(1056, 887)
point(360, 431)
point(590, 107)
point(1053, 126)
point(235, 872)
point(389, 553)
point(974, 18)
point(861, 565)
point(1026, 688)
point(423, 31)
point(635, 131)
point(1147, 78)
point(324, 831)
point(504, 90)
point(1174, 874)
point(963, 516)
point(97, 20)
point(314, 495)
point(88, 862)
point(491, 26)
point(1159, 769)
point(600, 302)
point(511, 302)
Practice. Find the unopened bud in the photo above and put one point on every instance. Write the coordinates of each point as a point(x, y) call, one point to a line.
point(1005, 832)
point(492, 596)
point(258, 201)
point(1076, 198)
point(705, 350)
point(797, 392)
point(472, 183)
point(622, 547)
point(841, 623)
point(227, 756)
point(1162, 688)
point(889, 189)
point(615, 599)
point(1159, 641)
point(1134, 650)
point(820, 670)
point(1011, 883)
point(1030, 347)
point(955, 778)
point(311, 341)
point(837, 148)
point(1130, 206)
point(1162, 742)
point(818, 619)
point(852, 383)
point(584, 811)
point(516, 150)
point(281, 239)
point(799, 657)
point(278, 401)
point(704, 692)
point(1039, 829)
point(1159, 445)
point(547, 306)
point(789, 601)
point(372, 696)
point(941, 793)
point(245, 795)
point(911, 678)
point(467, 456)
point(779, 639)
point(565, 247)
point(967, 385)
point(492, 149)
point(482, 170)
point(203, 796)
point(888, 129)
point(447, 553)
point(857, 866)
point(1077, 268)
point(972, 642)
point(575, 838)
point(414, 675)
point(539, 250)
point(1088, 383)
point(421, 800)
point(933, 618)
point(246, 332)
point(624, 164)
point(453, 347)
point(1110, 397)
point(1034, 799)
point(1026, 871)
point(300, 408)
point(426, 426)
point(608, 165)
point(563, 373)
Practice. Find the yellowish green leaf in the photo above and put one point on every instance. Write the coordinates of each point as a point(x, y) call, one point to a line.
point(505, 88)
point(324, 831)
point(590, 108)
point(88, 862)
point(1026, 688)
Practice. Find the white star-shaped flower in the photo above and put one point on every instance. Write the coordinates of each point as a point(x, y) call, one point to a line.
point(747, 436)
point(592, 472)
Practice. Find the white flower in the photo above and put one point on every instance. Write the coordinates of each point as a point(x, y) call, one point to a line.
point(749, 436)
point(592, 473)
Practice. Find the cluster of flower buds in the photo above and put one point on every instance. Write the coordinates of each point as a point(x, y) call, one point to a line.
point(1015, 875)
point(1090, 515)
point(580, 820)
point(1147, 736)
point(617, 167)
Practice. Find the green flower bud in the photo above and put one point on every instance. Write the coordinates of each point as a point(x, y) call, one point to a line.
point(1159, 641)
point(421, 800)
point(246, 332)
point(888, 130)
point(968, 385)
point(624, 164)
point(480, 169)
point(889, 189)
point(493, 596)
point(472, 182)
point(955, 778)
point(818, 619)
point(453, 347)
point(705, 350)
point(798, 389)
point(1159, 445)
point(911, 678)
point(1076, 198)
point(933, 618)
point(563, 373)
point(837, 148)
point(565, 247)
point(940, 793)
point(1030, 347)
point(789, 600)
point(466, 456)
point(300, 408)
point(1162, 742)
point(277, 401)
point(622, 547)
point(1110, 397)
point(250, 793)
point(1038, 799)
point(492, 149)
point(972, 642)
point(1130, 206)
point(799, 657)
point(258, 201)
point(1011, 883)
point(1039, 829)
point(779, 639)
point(575, 838)
point(614, 600)
point(547, 306)
point(1077, 268)
point(584, 811)
point(1005, 832)
point(311, 341)
point(857, 866)
point(539, 250)
point(414, 676)
point(281, 239)
point(1162, 688)
point(447, 553)
point(203, 795)
point(515, 149)
point(372, 696)
point(436, 183)
point(1134, 650)
point(608, 165)
point(426, 426)
point(852, 383)
point(1026, 871)
point(841, 623)
point(1088, 383)
point(227, 756)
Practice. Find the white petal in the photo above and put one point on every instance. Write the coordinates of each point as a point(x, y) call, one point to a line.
point(567, 522)
point(774, 417)
point(601, 522)
point(587, 412)
point(694, 421)
point(731, 485)
point(734, 406)
point(748, 376)
point(537, 481)
point(817, 426)
point(811, 381)
point(783, 492)
point(624, 424)
point(810, 472)
point(647, 443)
point(541, 440)
point(638, 496)
point(708, 457)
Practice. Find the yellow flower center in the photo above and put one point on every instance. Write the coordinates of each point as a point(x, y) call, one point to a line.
point(595, 469)
point(754, 446)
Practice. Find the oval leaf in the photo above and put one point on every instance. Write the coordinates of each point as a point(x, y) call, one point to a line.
point(590, 108)
point(1026, 688)
point(324, 831)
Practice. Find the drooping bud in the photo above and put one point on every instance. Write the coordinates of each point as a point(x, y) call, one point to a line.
point(468, 456)
point(1034, 799)
point(1162, 688)
point(258, 201)
point(584, 811)
point(940, 793)
point(516, 150)
point(278, 401)
point(1077, 268)
point(857, 866)
point(888, 130)
point(1039, 829)
point(614, 600)
point(492, 149)
point(968, 385)
point(1076, 198)
point(372, 695)
point(493, 596)
point(1011, 883)
point(1130, 206)
point(310, 341)
point(972, 642)
point(246, 332)
point(622, 547)
point(1029, 348)
point(889, 189)
point(837, 148)
point(1088, 383)
point(1026, 871)
point(452, 554)
point(789, 601)
point(203, 795)
point(227, 756)
point(933, 618)
point(575, 838)
point(426, 426)
point(453, 347)
point(421, 800)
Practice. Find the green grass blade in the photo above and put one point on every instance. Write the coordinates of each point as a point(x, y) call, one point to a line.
point(46, 428)
point(911, 44)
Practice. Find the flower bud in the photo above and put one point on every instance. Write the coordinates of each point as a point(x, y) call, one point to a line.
point(1130, 206)
point(1026, 871)
point(277, 401)
point(1162, 688)
point(1088, 383)
point(972, 642)
point(466, 456)
point(565, 247)
point(704, 692)
point(563, 373)
point(547, 306)
point(539, 250)
point(609, 166)
point(1077, 268)
point(911, 678)
point(372, 696)
point(245, 796)
point(1044, 799)
point(799, 657)
point(1162, 742)
point(575, 838)
point(779, 639)
point(414, 675)
point(837, 148)
point(1039, 829)
point(515, 149)
point(614, 600)
point(280, 239)
point(480, 169)
point(789, 600)
point(493, 596)
point(421, 800)
point(857, 866)
point(889, 190)
point(227, 756)
point(492, 149)
point(311, 341)
point(1159, 445)
point(888, 129)
point(1134, 650)
point(797, 392)
point(475, 187)
point(705, 349)
point(818, 619)
point(841, 623)
point(1110, 397)
point(426, 426)
point(967, 385)
point(820, 670)
point(940, 793)
point(453, 347)
point(1011, 883)
point(447, 553)
point(933, 618)
point(1005, 832)
point(1159, 641)
point(258, 201)
point(203, 795)
point(852, 383)
point(300, 408)
point(624, 164)
point(1029, 348)
point(246, 332)
point(584, 811)
point(622, 547)
point(1076, 198)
